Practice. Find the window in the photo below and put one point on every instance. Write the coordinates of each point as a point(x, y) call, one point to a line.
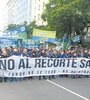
point(39, 7)
point(35, 9)
point(43, 5)
point(38, 16)
point(35, 1)
point(34, 17)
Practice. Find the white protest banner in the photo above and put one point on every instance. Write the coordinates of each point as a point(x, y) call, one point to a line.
point(25, 66)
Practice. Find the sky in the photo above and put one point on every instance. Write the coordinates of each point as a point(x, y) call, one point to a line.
point(2, 5)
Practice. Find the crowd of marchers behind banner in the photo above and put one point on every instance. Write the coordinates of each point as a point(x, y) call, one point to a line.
point(42, 52)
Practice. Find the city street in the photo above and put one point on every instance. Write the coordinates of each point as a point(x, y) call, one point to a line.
point(44, 49)
point(57, 89)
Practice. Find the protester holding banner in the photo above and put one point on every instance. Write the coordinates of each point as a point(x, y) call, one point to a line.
point(42, 54)
point(47, 54)
point(4, 54)
point(54, 54)
point(25, 53)
point(9, 50)
point(29, 49)
point(20, 50)
point(37, 53)
point(62, 54)
point(75, 55)
point(15, 52)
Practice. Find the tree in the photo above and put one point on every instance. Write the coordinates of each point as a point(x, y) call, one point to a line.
point(11, 26)
point(29, 28)
point(66, 16)
point(33, 25)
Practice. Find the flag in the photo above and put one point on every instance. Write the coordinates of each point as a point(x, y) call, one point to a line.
point(64, 43)
point(68, 46)
point(76, 39)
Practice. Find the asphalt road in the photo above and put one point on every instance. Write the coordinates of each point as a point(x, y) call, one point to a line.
point(57, 89)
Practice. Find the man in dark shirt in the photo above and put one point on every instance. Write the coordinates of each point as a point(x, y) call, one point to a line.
point(54, 54)
point(25, 53)
point(4, 55)
point(43, 54)
point(15, 52)
point(9, 51)
point(37, 54)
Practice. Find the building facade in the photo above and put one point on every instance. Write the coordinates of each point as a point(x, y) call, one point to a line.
point(37, 10)
point(5, 17)
point(20, 11)
point(10, 10)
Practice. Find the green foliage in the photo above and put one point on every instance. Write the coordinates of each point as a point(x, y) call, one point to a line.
point(33, 25)
point(67, 16)
point(85, 44)
point(28, 27)
point(13, 26)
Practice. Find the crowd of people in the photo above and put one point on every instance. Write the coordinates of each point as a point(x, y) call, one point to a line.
point(42, 52)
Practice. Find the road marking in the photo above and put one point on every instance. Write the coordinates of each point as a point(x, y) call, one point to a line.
point(84, 98)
